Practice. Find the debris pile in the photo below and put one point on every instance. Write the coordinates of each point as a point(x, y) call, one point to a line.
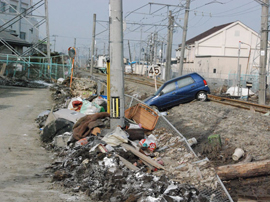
point(104, 177)
point(141, 161)
point(22, 82)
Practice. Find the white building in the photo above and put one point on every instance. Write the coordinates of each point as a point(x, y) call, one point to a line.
point(24, 28)
point(214, 53)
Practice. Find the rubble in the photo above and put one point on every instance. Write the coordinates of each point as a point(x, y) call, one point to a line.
point(22, 82)
point(104, 177)
point(142, 162)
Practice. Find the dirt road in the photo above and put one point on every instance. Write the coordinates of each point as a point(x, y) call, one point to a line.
point(22, 159)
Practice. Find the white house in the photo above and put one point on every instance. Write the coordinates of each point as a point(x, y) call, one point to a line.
point(214, 53)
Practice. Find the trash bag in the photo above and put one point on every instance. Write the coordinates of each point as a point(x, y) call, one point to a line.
point(70, 106)
point(85, 106)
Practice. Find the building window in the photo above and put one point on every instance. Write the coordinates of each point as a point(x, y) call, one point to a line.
point(3, 7)
point(214, 71)
point(22, 35)
point(12, 8)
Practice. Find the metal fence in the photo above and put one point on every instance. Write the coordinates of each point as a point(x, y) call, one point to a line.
point(254, 78)
point(220, 194)
point(36, 67)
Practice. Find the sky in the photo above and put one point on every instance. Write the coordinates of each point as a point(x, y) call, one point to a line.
point(69, 19)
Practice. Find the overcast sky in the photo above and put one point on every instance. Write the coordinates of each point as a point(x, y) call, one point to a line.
point(71, 19)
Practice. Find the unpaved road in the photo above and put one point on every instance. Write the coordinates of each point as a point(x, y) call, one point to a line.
point(22, 159)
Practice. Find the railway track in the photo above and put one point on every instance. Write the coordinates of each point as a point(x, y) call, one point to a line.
point(223, 100)
point(240, 104)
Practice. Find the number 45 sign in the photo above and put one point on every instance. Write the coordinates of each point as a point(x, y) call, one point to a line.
point(154, 71)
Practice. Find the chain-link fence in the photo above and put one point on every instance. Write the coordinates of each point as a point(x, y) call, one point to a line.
point(35, 67)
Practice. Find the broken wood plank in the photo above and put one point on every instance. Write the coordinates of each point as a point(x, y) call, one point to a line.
point(127, 163)
point(244, 170)
point(142, 156)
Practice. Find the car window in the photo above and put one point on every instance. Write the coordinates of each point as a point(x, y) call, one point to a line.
point(185, 81)
point(169, 87)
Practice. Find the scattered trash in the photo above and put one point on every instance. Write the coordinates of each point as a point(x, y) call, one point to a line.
point(60, 80)
point(86, 124)
point(192, 141)
point(72, 104)
point(238, 153)
point(233, 91)
point(62, 140)
point(116, 137)
point(149, 144)
point(144, 115)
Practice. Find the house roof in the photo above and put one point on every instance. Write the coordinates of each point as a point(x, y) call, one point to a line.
point(205, 34)
point(13, 40)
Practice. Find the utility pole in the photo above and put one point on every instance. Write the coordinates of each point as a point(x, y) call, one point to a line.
point(161, 53)
point(47, 32)
point(130, 60)
point(104, 49)
point(155, 48)
point(93, 44)
point(150, 49)
point(141, 51)
point(117, 108)
point(183, 46)
point(74, 43)
point(169, 47)
point(263, 50)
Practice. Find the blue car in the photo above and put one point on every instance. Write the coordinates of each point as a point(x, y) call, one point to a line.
point(179, 90)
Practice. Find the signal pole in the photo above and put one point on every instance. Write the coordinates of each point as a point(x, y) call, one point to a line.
point(263, 52)
point(117, 108)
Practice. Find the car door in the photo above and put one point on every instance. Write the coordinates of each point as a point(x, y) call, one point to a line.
point(186, 89)
point(168, 95)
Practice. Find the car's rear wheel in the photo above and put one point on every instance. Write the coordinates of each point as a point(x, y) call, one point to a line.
point(201, 96)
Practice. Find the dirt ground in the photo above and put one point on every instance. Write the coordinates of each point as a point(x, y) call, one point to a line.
point(236, 127)
point(22, 162)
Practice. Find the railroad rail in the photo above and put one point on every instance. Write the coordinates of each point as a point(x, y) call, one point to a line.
point(223, 100)
point(240, 104)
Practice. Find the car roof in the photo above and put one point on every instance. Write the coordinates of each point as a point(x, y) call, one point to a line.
point(190, 74)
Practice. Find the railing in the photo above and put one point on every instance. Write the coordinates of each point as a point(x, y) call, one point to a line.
point(36, 67)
